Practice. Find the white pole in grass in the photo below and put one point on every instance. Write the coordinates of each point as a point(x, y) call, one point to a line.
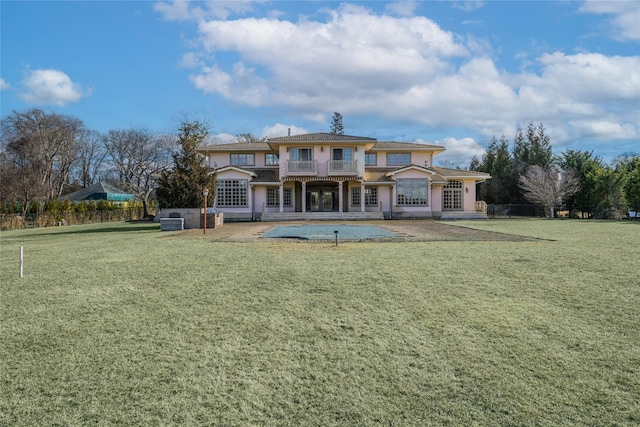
point(21, 261)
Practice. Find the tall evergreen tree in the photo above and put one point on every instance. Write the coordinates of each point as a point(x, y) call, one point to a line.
point(630, 163)
point(182, 186)
point(336, 124)
point(540, 153)
point(586, 167)
point(503, 187)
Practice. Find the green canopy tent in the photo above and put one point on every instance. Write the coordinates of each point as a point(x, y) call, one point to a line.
point(99, 191)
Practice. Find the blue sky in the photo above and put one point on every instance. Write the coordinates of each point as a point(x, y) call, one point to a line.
point(453, 73)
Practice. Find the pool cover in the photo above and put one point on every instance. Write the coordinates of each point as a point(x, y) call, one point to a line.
point(327, 232)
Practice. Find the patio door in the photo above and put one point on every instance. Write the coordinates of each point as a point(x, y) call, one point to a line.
point(452, 196)
point(322, 198)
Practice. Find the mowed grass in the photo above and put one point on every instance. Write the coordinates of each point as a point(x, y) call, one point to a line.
point(120, 324)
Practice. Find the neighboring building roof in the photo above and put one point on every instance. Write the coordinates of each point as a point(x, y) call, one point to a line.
point(320, 137)
point(99, 191)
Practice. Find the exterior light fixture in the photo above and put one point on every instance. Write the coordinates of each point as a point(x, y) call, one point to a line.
point(205, 193)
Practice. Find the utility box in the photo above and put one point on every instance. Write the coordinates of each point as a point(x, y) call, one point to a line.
point(171, 224)
point(214, 218)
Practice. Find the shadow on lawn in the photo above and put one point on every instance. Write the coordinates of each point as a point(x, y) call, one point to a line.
point(131, 226)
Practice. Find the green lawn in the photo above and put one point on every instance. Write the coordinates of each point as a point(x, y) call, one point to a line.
point(120, 324)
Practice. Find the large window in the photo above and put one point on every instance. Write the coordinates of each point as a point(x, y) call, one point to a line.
point(371, 196)
point(370, 159)
point(452, 195)
point(231, 193)
point(344, 154)
point(412, 192)
point(398, 159)
point(273, 197)
point(301, 154)
point(355, 196)
point(271, 159)
point(243, 159)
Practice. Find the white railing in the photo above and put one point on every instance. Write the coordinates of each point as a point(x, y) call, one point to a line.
point(303, 167)
point(343, 167)
point(481, 206)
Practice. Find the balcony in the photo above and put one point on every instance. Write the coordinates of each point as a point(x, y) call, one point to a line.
point(342, 167)
point(303, 168)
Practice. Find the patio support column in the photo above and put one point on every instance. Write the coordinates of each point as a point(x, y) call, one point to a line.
point(304, 196)
point(340, 202)
point(281, 190)
point(362, 203)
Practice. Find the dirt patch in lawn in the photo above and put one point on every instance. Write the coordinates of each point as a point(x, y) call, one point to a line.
point(404, 230)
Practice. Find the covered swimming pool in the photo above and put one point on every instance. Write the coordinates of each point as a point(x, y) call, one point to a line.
point(327, 232)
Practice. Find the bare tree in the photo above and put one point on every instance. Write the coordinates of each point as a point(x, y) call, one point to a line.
point(91, 156)
point(548, 186)
point(137, 158)
point(249, 138)
point(43, 146)
point(20, 178)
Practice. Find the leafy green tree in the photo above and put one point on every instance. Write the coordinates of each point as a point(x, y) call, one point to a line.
point(586, 167)
point(629, 164)
point(497, 162)
point(540, 152)
point(336, 124)
point(610, 185)
point(181, 187)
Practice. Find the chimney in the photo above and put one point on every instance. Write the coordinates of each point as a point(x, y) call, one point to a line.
point(289, 132)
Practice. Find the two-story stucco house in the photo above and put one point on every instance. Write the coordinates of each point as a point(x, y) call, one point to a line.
point(332, 176)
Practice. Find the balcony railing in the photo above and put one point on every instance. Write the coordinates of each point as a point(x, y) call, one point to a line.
point(343, 167)
point(303, 168)
point(481, 206)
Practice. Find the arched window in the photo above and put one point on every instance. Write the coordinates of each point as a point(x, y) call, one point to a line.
point(452, 196)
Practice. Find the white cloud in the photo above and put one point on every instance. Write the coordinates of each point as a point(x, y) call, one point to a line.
point(355, 53)
point(191, 60)
point(604, 129)
point(409, 69)
point(3, 84)
point(625, 16)
point(402, 7)
point(459, 151)
point(51, 87)
point(224, 138)
point(282, 130)
point(184, 10)
point(468, 6)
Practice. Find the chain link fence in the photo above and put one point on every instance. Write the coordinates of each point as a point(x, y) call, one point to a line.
point(511, 210)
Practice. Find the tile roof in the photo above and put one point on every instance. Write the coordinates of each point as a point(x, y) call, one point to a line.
point(236, 146)
point(409, 146)
point(377, 175)
point(459, 173)
point(266, 175)
point(321, 137)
